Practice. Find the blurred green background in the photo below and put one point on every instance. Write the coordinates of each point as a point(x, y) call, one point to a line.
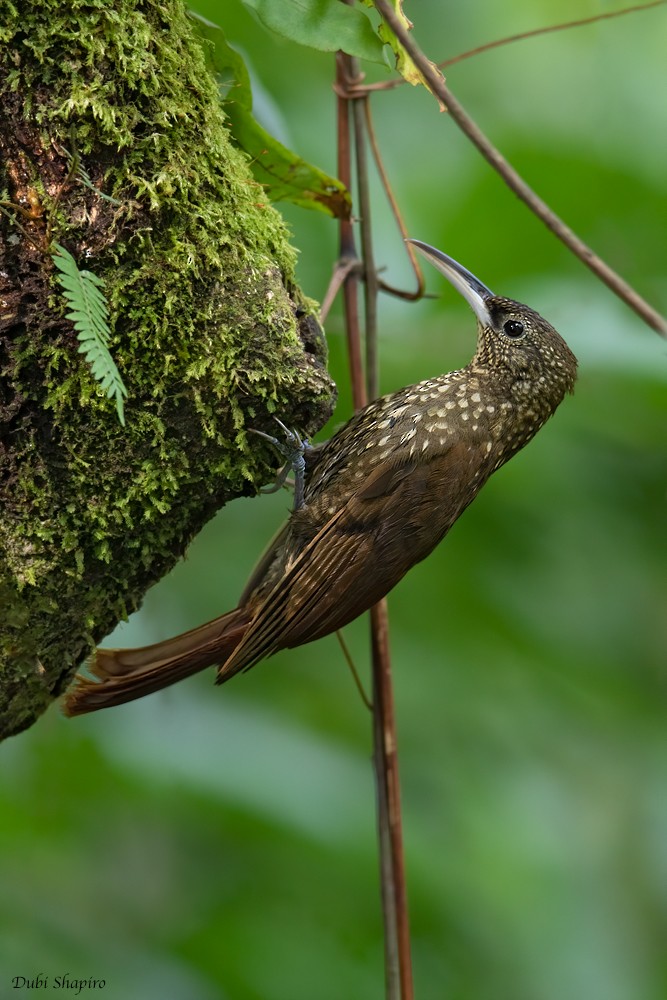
point(213, 843)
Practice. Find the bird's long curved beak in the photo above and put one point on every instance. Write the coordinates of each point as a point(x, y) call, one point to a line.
point(470, 287)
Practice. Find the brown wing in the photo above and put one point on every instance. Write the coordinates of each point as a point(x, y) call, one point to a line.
point(392, 522)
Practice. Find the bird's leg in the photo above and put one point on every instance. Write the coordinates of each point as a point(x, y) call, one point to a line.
point(293, 449)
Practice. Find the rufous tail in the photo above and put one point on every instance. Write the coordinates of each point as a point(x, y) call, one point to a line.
point(126, 674)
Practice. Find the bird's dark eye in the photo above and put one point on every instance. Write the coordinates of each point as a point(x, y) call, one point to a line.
point(512, 328)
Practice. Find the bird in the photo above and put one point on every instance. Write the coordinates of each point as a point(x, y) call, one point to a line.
point(375, 499)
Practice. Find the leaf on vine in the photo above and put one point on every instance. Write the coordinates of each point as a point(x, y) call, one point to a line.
point(404, 63)
point(327, 25)
point(283, 175)
point(89, 312)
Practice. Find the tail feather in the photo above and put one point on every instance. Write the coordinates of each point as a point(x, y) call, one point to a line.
point(126, 674)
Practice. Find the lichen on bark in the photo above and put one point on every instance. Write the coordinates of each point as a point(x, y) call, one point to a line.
point(209, 330)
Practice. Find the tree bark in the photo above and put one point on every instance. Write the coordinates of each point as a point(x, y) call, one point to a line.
point(209, 330)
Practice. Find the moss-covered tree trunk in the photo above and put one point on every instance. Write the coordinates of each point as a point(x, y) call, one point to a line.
point(209, 331)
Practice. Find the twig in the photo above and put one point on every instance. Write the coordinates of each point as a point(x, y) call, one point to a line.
point(340, 273)
point(520, 36)
point(514, 181)
point(370, 271)
point(509, 40)
point(351, 91)
point(384, 722)
point(353, 670)
point(347, 250)
point(14, 222)
point(396, 212)
point(388, 789)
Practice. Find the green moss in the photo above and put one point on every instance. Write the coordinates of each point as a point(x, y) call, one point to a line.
point(199, 276)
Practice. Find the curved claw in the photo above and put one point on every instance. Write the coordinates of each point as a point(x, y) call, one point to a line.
point(293, 450)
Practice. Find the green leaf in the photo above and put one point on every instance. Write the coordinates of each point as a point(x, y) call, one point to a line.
point(89, 312)
point(283, 175)
point(327, 25)
point(224, 61)
point(404, 64)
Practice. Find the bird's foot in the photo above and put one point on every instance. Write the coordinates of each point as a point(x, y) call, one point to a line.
point(293, 448)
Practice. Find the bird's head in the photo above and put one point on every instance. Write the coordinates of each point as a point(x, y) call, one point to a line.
point(512, 339)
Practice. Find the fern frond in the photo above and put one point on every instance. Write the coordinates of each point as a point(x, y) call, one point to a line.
point(76, 165)
point(89, 312)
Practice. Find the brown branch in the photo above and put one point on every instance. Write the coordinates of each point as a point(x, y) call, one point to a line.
point(515, 182)
point(388, 787)
point(370, 272)
point(398, 968)
point(384, 720)
point(345, 73)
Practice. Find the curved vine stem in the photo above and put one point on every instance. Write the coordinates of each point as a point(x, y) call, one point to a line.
point(514, 181)
point(520, 36)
